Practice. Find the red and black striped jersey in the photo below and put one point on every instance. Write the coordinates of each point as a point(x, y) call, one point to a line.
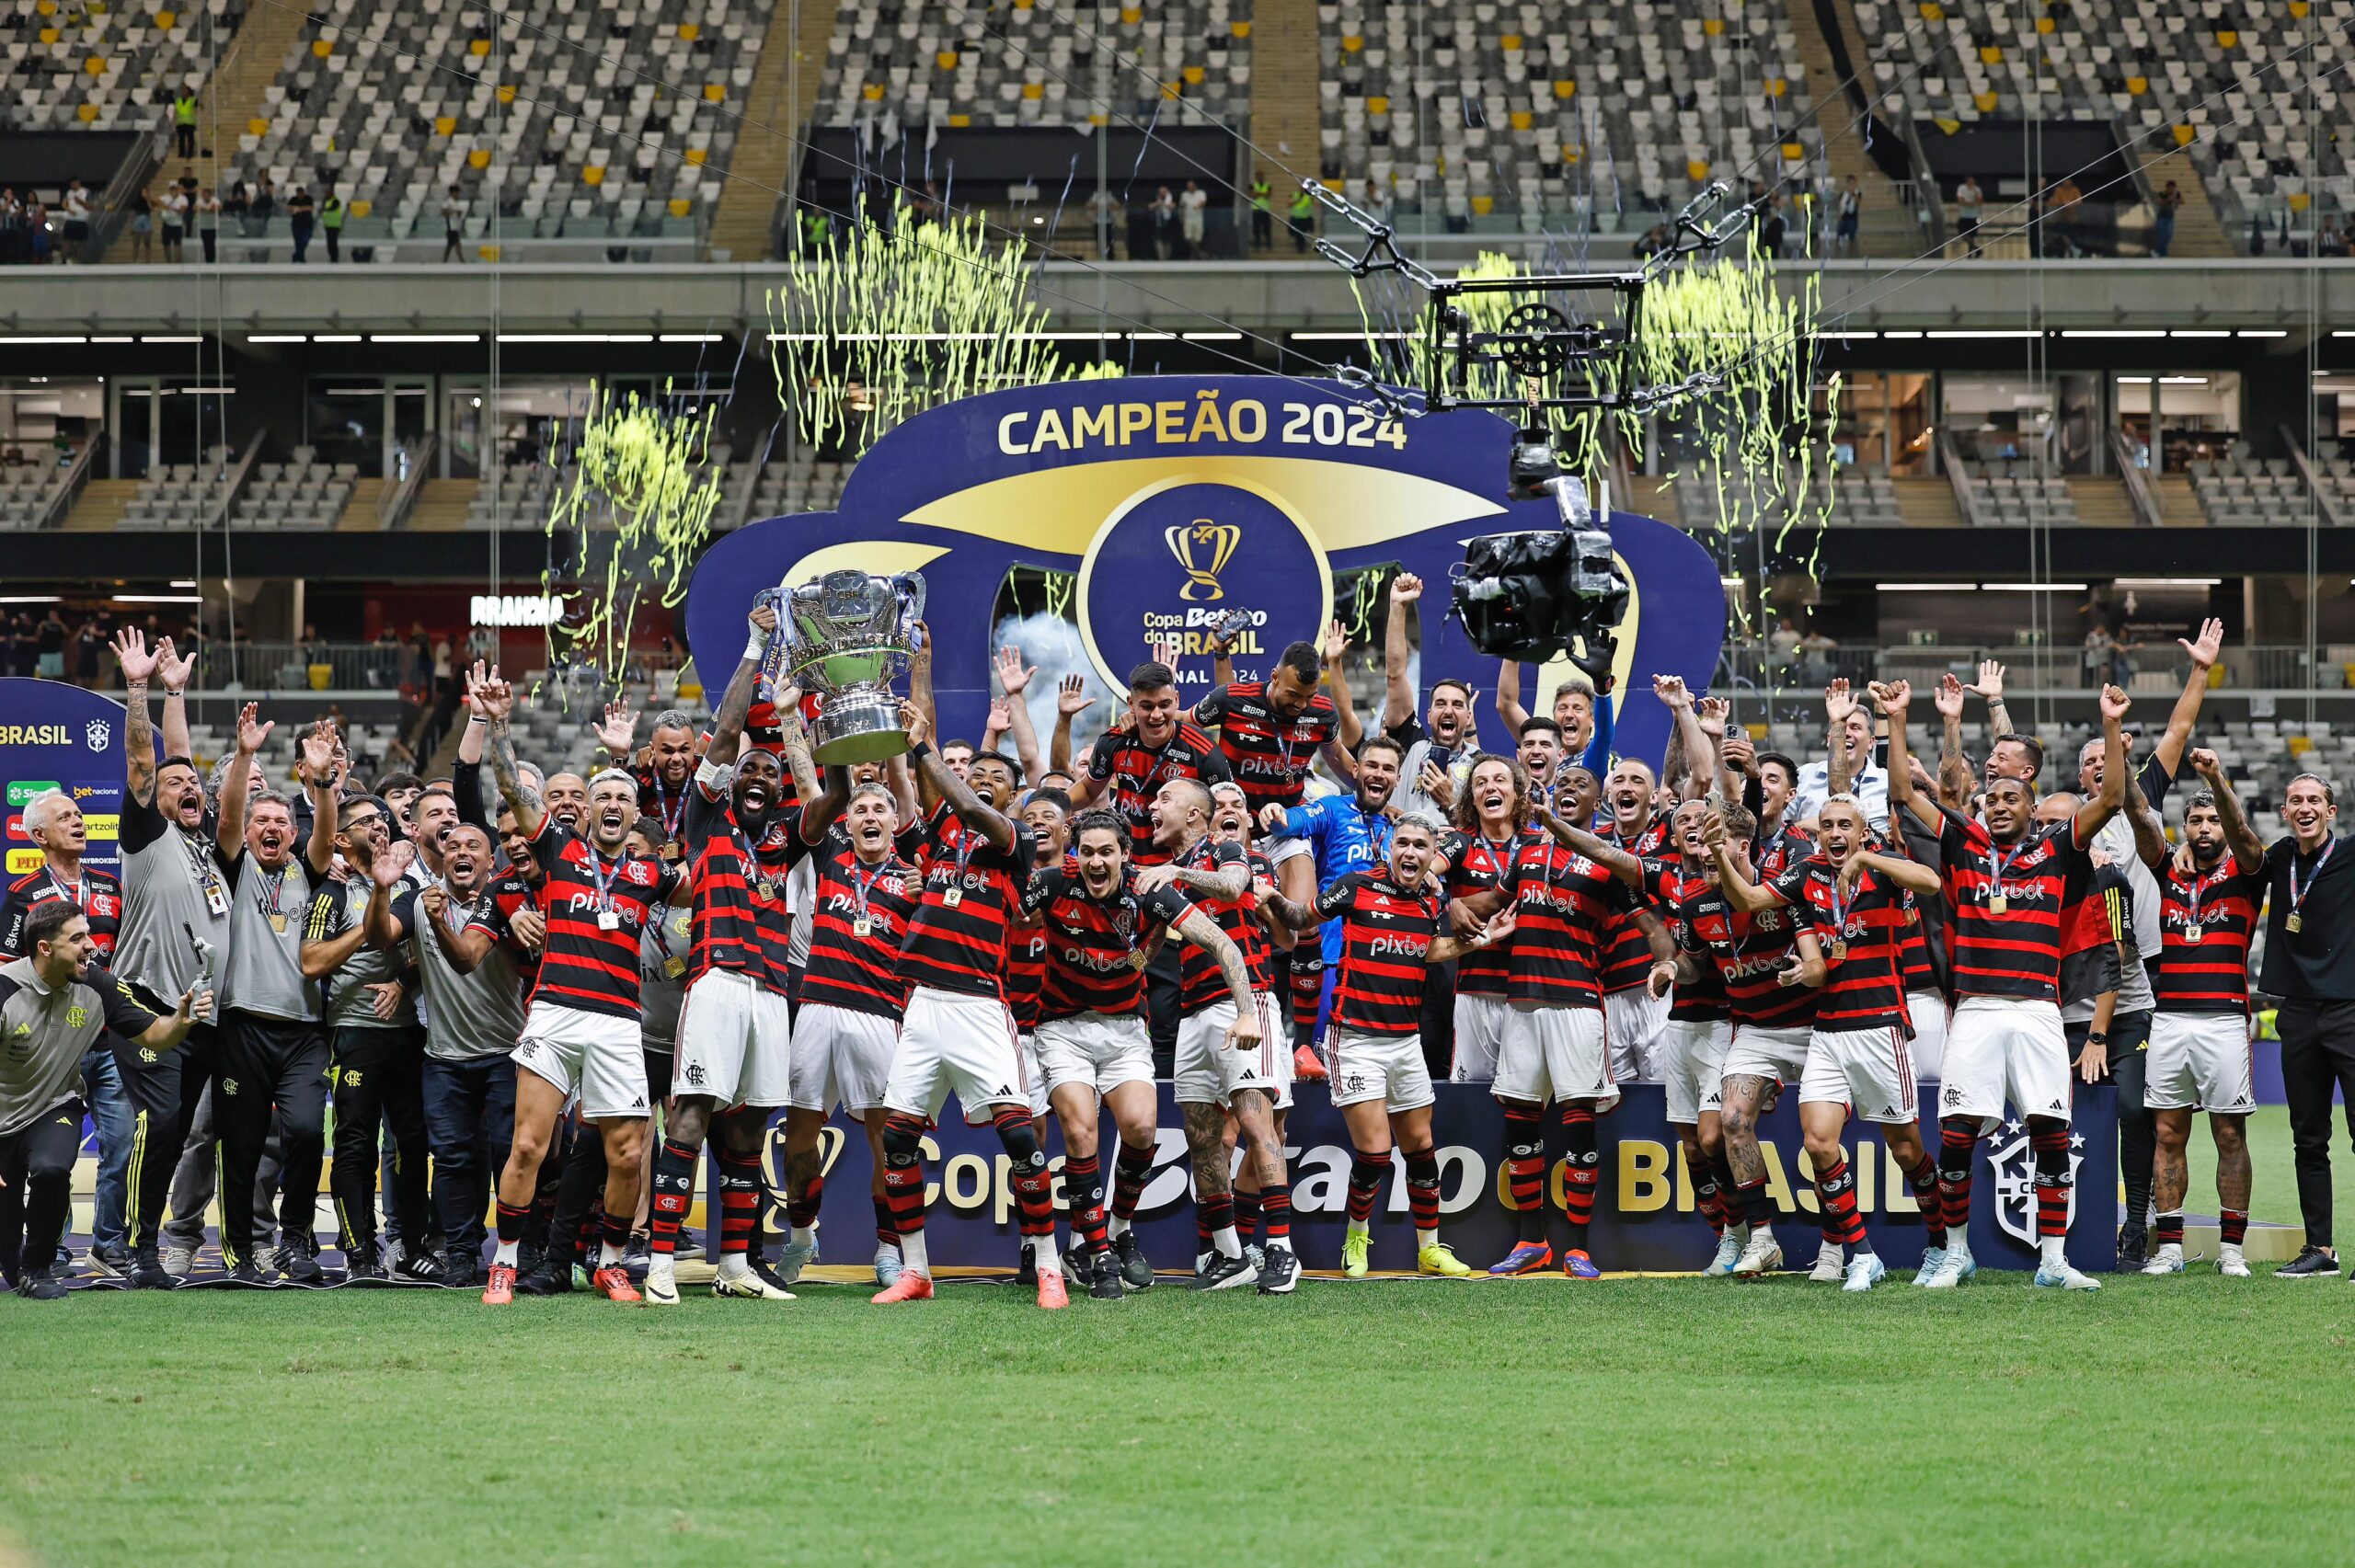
point(2006, 930)
point(1914, 947)
point(1862, 938)
point(98, 895)
point(1561, 902)
point(1777, 851)
point(956, 937)
point(2206, 919)
point(743, 920)
point(667, 803)
point(857, 919)
point(1270, 754)
point(1096, 950)
point(1200, 977)
point(1628, 954)
point(1476, 865)
point(1386, 937)
point(1026, 972)
point(513, 896)
point(1749, 951)
point(597, 909)
point(1668, 882)
point(1136, 773)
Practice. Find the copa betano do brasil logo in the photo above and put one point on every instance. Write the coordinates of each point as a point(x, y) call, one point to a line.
point(57, 737)
point(1179, 499)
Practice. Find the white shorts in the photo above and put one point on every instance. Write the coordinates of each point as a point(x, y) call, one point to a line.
point(1868, 1070)
point(1094, 1051)
point(1999, 1046)
point(1209, 1073)
point(1928, 1010)
point(952, 1041)
point(1693, 1055)
point(1632, 1020)
point(735, 1042)
point(594, 1055)
point(841, 1058)
point(1554, 1053)
point(1288, 846)
point(1778, 1054)
point(1479, 1030)
point(1389, 1067)
point(2198, 1059)
point(1026, 1045)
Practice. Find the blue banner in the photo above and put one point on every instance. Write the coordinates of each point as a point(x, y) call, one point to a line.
point(1176, 499)
point(1644, 1213)
point(54, 736)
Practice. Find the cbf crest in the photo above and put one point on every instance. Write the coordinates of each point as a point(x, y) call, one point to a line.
point(2013, 1163)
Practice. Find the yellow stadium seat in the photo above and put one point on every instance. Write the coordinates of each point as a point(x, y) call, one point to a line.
point(1986, 102)
point(445, 124)
point(86, 113)
point(2044, 25)
point(479, 159)
point(1377, 104)
point(1352, 42)
point(487, 252)
point(1696, 169)
point(1523, 120)
point(2299, 201)
point(695, 155)
point(962, 122)
point(1483, 205)
point(96, 65)
point(257, 126)
point(321, 48)
point(1564, 88)
point(691, 30)
point(478, 47)
point(1022, 4)
point(1777, 86)
point(946, 60)
point(1932, 11)
point(49, 35)
point(1714, 27)
point(2183, 134)
point(1034, 91)
point(2226, 38)
point(1793, 152)
point(361, 209)
point(1239, 29)
point(1570, 153)
point(2299, 8)
point(1991, 54)
point(1336, 185)
point(681, 206)
point(168, 19)
point(1511, 42)
point(1091, 120)
point(1173, 90)
point(716, 92)
point(506, 92)
point(594, 175)
point(1193, 75)
point(1949, 126)
point(1131, 15)
point(2299, 744)
point(46, 8)
point(2138, 85)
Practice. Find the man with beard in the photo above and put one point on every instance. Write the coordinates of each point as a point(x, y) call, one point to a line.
point(1850, 740)
point(1101, 925)
point(1852, 899)
point(1632, 1016)
point(2200, 1035)
point(846, 1023)
point(2008, 883)
point(1339, 833)
point(468, 961)
point(1439, 740)
point(273, 1053)
point(2311, 902)
point(1581, 722)
point(1698, 1030)
point(956, 1033)
point(1492, 816)
point(1048, 815)
point(581, 1031)
point(376, 1048)
point(666, 773)
point(734, 1063)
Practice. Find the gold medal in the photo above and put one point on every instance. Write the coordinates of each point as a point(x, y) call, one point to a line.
point(1997, 904)
point(1838, 950)
point(765, 891)
point(862, 927)
point(673, 967)
point(2192, 934)
point(2295, 923)
point(278, 922)
point(954, 896)
point(1136, 960)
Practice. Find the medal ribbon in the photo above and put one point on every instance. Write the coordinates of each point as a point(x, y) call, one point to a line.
point(2298, 894)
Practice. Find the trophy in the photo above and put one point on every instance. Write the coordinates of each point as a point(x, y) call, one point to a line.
point(846, 637)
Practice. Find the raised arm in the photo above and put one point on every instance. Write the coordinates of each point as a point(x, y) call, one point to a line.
point(497, 699)
point(1351, 731)
point(1070, 700)
point(322, 780)
point(920, 678)
point(1839, 707)
point(1954, 768)
point(1990, 689)
point(735, 701)
point(1508, 706)
point(993, 827)
point(1016, 677)
point(2150, 845)
point(2248, 850)
point(138, 729)
point(1733, 870)
point(252, 731)
point(2203, 653)
point(175, 673)
point(1398, 681)
point(2096, 813)
point(1611, 857)
point(1893, 697)
point(1700, 755)
point(617, 732)
point(821, 812)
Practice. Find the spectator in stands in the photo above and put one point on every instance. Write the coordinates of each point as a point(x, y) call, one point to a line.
point(37, 227)
point(2331, 241)
point(90, 654)
point(12, 229)
point(1651, 242)
point(77, 220)
point(2061, 216)
point(1377, 201)
point(142, 227)
point(187, 181)
point(207, 224)
point(174, 222)
point(2163, 219)
point(1844, 232)
point(1968, 200)
point(238, 206)
point(1302, 220)
point(1772, 226)
point(1193, 208)
point(927, 204)
point(453, 225)
point(265, 205)
point(1263, 211)
point(1104, 211)
point(301, 217)
point(1164, 225)
point(331, 221)
point(49, 642)
point(184, 122)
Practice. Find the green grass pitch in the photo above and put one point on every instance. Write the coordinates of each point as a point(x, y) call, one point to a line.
point(1645, 1422)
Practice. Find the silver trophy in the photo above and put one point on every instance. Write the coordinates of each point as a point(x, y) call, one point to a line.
point(847, 637)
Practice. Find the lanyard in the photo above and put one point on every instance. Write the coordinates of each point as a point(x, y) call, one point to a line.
point(1999, 864)
point(2298, 894)
point(604, 878)
point(1839, 909)
point(271, 905)
point(72, 891)
point(965, 837)
point(745, 842)
point(863, 887)
point(670, 814)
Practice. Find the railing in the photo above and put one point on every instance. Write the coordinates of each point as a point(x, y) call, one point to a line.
point(77, 474)
point(2325, 496)
point(286, 667)
point(2144, 669)
point(1930, 210)
point(393, 506)
point(1966, 494)
point(113, 207)
point(232, 483)
point(2138, 483)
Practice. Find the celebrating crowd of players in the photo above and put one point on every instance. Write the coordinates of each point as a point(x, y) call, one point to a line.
point(503, 998)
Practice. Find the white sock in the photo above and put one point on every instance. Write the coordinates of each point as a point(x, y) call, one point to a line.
point(505, 1254)
point(1227, 1243)
point(1044, 1254)
point(608, 1254)
point(1426, 1238)
point(661, 1262)
point(1358, 1227)
point(2050, 1249)
point(805, 1235)
point(735, 1266)
point(911, 1254)
point(1115, 1226)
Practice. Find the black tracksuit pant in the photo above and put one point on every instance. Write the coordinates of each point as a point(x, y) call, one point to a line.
point(164, 1088)
point(36, 1188)
point(2317, 1056)
point(379, 1080)
point(266, 1061)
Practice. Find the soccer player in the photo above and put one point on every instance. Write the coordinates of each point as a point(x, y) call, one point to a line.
point(1102, 923)
point(1335, 834)
point(2008, 883)
point(2209, 892)
point(1049, 819)
point(1492, 818)
point(1581, 722)
point(1850, 740)
point(734, 1059)
point(1699, 1027)
point(272, 1050)
point(1390, 921)
point(1440, 744)
point(956, 1033)
point(54, 1003)
point(666, 772)
point(580, 1034)
point(377, 1045)
point(846, 1023)
point(1538, 747)
point(1852, 899)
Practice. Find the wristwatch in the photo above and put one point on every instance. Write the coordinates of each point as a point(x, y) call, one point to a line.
point(2096, 1038)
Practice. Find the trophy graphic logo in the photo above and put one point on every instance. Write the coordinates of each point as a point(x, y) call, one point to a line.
point(1203, 548)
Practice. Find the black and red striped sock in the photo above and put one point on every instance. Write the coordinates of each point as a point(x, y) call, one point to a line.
point(591, 1220)
point(886, 1231)
point(1083, 1190)
point(1422, 1190)
point(1307, 991)
point(1924, 1179)
point(512, 1217)
point(1034, 1186)
point(1581, 1171)
point(1835, 1189)
point(803, 1204)
point(1525, 1169)
point(1246, 1215)
point(2232, 1226)
point(1213, 1214)
point(1957, 1142)
point(2049, 1141)
point(1275, 1215)
point(1728, 1190)
point(740, 1202)
point(612, 1234)
point(904, 1173)
point(1706, 1196)
point(1203, 1242)
point(1131, 1167)
point(1757, 1207)
point(2170, 1232)
point(674, 1189)
point(1367, 1172)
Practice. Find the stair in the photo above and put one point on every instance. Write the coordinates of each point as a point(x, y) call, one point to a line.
point(232, 96)
point(100, 508)
point(1927, 503)
point(1886, 225)
point(359, 514)
point(2101, 501)
point(1285, 119)
point(2178, 508)
point(2196, 232)
point(784, 93)
point(441, 506)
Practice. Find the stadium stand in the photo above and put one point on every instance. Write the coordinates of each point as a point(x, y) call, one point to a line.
point(2241, 490)
point(26, 492)
point(304, 493)
point(797, 484)
point(105, 67)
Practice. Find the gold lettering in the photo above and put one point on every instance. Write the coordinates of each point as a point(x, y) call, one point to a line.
point(1209, 423)
point(1050, 433)
point(1007, 442)
point(1002, 1188)
point(965, 1181)
point(1900, 1188)
point(1250, 411)
point(1169, 421)
point(1777, 1187)
point(1135, 419)
point(1096, 422)
point(1644, 1182)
